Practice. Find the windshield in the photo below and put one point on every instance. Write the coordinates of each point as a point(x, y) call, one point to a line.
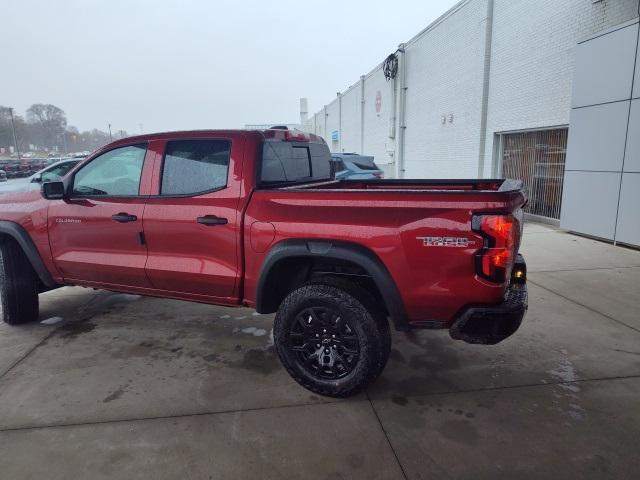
point(56, 172)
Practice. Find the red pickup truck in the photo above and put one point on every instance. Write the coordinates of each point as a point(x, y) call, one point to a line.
point(256, 218)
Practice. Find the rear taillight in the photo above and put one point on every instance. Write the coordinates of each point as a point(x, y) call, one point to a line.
point(501, 233)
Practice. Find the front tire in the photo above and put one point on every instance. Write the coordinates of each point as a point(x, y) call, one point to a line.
point(18, 285)
point(329, 341)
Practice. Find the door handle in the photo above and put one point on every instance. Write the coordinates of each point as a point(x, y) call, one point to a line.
point(124, 217)
point(212, 220)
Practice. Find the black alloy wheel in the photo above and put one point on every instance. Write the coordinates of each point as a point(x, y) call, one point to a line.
point(332, 337)
point(324, 342)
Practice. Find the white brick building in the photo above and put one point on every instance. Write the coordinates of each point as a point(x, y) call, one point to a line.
point(488, 93)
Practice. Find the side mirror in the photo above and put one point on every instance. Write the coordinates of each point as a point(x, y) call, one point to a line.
point(53, 190)
point(37, 179)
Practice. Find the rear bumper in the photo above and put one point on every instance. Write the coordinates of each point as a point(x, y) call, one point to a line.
point(489, 325)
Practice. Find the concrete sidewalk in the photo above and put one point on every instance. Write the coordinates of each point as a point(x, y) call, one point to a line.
point(130, 387)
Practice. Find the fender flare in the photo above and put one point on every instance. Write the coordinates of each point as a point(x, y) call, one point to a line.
point(329, 249)
point(20, 235)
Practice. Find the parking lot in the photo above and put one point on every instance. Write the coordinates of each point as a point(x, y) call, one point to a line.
point(132, 387)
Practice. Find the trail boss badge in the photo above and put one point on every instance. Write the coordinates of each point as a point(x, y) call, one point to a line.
point(462, 242)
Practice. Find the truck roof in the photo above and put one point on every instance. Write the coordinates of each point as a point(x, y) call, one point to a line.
point(276, 134)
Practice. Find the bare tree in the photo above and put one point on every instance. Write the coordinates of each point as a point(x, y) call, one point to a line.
point(46, 128)
point(50, 122)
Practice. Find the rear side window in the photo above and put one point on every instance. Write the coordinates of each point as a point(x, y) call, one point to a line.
point(364, 166)
point(286, 162)
point(195, 166)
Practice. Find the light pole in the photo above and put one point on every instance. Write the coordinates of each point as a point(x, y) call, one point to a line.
point(110, 137)
point(13, 128)
point(64, 141)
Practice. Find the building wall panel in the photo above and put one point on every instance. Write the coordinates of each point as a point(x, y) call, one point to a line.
point(589, 203)
point(597, 136)
point(628, 230)
point(632, 156)
point(605, 77)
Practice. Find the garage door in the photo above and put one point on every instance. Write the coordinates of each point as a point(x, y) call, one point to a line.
point(538, 158)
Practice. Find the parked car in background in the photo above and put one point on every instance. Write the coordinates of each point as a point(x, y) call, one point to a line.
point(52, 173)
point(3, 176)
point(351, 166)
point(22, 168)
point(52, 160)
point(36, 164)
point(13, 170)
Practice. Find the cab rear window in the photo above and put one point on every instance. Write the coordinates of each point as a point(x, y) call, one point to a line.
point(289, 162)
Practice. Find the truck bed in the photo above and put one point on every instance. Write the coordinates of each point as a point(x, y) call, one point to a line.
point(391, 217)
point(438, 185)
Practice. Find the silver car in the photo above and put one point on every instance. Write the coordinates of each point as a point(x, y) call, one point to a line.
point(351, 166)
point(51, 173)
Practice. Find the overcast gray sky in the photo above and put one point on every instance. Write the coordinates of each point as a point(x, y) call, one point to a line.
point(174, 65)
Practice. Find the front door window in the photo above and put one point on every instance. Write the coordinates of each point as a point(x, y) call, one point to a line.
point(113, 174)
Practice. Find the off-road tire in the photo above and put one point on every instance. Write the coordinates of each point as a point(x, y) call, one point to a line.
point(373, 306)
point(18, 285)
point(362, 313)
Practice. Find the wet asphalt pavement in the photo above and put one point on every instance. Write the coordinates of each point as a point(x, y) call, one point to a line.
point(128, 387)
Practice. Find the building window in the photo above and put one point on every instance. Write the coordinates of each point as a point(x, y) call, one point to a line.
point(538, 158)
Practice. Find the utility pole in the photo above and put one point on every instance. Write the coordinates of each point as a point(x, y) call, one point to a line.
point(64, 141)
point(13, 128)
point(110, 137)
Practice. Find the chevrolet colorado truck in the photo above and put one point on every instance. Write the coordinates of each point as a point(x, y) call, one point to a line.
point(256, 219)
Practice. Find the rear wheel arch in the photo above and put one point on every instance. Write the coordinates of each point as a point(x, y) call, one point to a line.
point(291, 263)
